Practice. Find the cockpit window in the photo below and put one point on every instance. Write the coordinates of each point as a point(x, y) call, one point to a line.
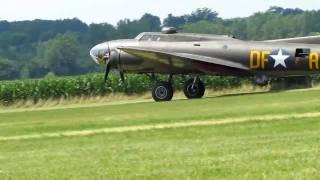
point(149, 37)
point(146, 38)
point(175, 37)
point(156, 38)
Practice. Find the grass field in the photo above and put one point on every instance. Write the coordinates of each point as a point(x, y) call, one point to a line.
point(242, 136)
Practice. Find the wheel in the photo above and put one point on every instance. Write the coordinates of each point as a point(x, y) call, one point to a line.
point(194, 90)
point(162, 91)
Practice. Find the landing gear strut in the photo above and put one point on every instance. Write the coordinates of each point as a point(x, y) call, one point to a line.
point(194, 88)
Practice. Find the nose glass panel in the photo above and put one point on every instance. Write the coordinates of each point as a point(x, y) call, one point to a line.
point(100, 53)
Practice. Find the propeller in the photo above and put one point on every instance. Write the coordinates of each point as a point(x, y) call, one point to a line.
point(107, 72)
point(113, 58)
point(122, 77)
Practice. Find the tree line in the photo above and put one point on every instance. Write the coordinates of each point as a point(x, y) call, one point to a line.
point(32, 49)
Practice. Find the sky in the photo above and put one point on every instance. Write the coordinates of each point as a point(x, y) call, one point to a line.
point(111, 11)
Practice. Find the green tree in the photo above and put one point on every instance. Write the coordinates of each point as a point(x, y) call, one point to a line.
point(202, 14)
point(130, 28)
point(60, 55)
point(152, 22)
point(101, 32)
point(174, 21)
point(8, 69)
point(61, 46)
point(206, 28)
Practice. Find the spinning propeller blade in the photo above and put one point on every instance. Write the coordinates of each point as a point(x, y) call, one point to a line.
point(122, 77)
point(107, 72)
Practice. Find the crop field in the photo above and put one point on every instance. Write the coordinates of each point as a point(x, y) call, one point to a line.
point(273, 135)
point(92, 85)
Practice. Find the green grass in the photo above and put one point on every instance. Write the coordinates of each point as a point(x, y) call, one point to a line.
point(279, 149)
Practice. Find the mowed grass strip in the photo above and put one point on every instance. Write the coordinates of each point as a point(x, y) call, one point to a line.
point(161, 126)
point(113, 116)
point(286, 146)
point(251, 150)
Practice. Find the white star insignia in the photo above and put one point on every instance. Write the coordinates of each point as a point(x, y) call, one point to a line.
point(280, 59)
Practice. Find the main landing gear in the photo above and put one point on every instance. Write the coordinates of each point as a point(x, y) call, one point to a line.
point(194, 88)
point(163, 90)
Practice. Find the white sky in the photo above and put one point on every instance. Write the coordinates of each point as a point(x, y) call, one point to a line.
point(112, 11)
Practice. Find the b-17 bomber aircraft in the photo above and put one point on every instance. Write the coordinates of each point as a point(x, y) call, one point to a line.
point(172, 53)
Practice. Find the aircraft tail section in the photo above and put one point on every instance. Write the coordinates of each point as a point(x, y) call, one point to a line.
point(302, 40)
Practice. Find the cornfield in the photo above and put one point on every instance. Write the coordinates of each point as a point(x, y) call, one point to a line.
point(92, 85)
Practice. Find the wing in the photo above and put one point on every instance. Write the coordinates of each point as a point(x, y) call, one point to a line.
point(182, 60)
point(302, 40)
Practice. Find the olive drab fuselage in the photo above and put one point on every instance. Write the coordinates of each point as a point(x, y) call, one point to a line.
point(259, 57)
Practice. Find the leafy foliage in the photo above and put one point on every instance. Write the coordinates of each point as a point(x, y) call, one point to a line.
point(60, 55)
point(7, 69)
point(32, 49)
point(201, 14)
point(53, 87)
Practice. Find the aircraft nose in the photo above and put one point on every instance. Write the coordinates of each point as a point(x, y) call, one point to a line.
point(100, 53)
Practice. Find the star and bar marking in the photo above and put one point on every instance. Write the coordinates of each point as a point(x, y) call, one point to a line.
point(260, 59)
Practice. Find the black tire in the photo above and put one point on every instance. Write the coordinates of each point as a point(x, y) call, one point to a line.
point(195, 91)
point(162, 91)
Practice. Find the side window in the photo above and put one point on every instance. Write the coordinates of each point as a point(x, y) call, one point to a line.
point(146, 38)
point(156, 38)
point(164, 38)
point(150, 38)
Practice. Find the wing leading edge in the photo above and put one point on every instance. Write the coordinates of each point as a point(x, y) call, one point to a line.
point(182, 60)
point(302, 40)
